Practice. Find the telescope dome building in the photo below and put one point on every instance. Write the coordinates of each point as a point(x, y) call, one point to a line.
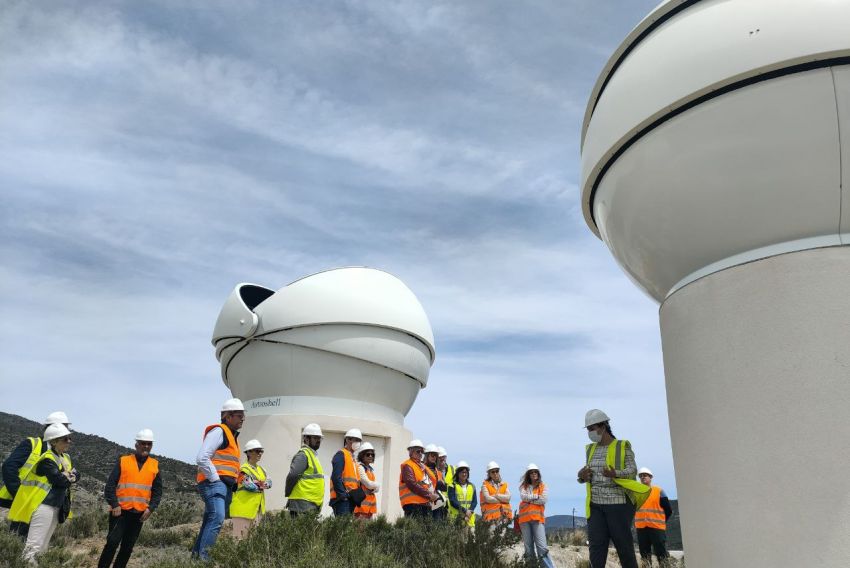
point(715, 167)
point(345, 348)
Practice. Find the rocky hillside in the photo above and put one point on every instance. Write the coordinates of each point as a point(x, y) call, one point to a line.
point(94, 457)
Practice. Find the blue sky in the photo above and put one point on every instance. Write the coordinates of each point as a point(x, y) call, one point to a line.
point(158, 153)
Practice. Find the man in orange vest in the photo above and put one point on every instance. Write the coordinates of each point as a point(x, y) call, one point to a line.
point(344, 477)
point(218, 470)
point(133, 491)
point(438, 479)
point(415, 486)
point(651, 522)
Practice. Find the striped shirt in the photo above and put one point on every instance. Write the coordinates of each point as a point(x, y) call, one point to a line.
point(603, 490)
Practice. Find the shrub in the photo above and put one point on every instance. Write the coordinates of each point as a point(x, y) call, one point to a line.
point(11, 548)
point(306, 542)
point(172, 513)
point(84, 524)
point(165, 537)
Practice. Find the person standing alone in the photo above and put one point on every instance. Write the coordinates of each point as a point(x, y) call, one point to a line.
point(133, 491)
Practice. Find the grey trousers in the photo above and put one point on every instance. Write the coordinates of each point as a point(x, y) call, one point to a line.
point(611, 523)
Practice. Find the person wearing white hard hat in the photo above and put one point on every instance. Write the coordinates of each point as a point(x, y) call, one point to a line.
point(432, 455)
point(613, 494)
point(218, 471)
point(651, 521)
point(495, 496)
point(532, 515)
point(249, 499)
point(462, 495)
point(416, 490)
point(444, 466)
point(368, 482)
point(44, 499)
point(344, 479)
point(133, 491)
point(19, 463)
point(305, 482)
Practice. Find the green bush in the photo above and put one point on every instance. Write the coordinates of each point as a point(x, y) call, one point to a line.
point(166, 537)
point(84, 524)
point(173, 513)
point(306, 542)
point(11, 548)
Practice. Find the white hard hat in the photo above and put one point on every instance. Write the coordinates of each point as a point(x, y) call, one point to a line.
point(311, 429)
point(441, 451)
point(532, 467)
point(232, 404)
point(364, 447)
point(354, 433)
point(645, 470)
point(415, 444)
point(57, 417)
point(595, 416)
point(145, 435)
point(431, 449)
point(253, 445)
point(492, 465)
point(461, 464)
point(55, 431)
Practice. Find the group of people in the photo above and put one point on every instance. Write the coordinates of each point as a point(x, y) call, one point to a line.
point(39, 477)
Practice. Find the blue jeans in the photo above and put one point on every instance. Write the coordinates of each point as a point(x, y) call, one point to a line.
point(215, 496)
point(534, 536)
point(342, 508)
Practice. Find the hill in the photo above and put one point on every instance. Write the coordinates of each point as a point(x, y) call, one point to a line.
point(94, 457)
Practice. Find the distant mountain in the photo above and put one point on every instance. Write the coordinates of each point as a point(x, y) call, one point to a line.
point(94, 457)
point(560, 522)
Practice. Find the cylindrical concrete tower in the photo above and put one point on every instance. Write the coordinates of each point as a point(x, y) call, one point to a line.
point(715, 150)
point(346, 348)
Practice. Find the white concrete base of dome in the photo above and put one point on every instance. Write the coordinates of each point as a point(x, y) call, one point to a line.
point(757, 364)
point(281, 438)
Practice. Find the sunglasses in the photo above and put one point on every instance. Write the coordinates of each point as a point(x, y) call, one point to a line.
point(65, 439)
point(369, 454)
point(419, 451)
point(257, 451)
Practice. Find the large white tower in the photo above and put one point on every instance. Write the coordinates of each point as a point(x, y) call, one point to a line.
point(345, 348)
point(715, 153)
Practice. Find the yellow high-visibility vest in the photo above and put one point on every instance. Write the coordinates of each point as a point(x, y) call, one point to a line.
point(311, 484)
point(25, 469)
point(34, 489)
point(464, 498)
point(615, 457)
point(246, 504)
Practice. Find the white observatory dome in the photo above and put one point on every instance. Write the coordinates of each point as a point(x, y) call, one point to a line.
point(717, 134)
point(348, 342)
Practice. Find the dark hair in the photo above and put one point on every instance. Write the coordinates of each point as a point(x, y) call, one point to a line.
point(525, 480)
point(610, 432)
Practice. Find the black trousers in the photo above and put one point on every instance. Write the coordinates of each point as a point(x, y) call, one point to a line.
point(421, 511)
point(20, 529)
point(123, 531)
point(611, 523)
point(650, 540)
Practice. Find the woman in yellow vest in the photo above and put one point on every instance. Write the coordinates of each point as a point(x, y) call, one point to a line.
point(462, 497)
point(613, 494)
point(249, 500)
point(44, 498)
point(368, 482)
point(495, 497)
point(532, 515)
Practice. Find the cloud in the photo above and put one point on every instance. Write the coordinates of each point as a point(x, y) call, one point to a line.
point(157, 154)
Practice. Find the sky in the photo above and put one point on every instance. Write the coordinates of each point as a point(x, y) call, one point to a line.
point(156, 154)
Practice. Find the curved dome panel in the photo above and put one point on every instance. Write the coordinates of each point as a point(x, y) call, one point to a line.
point(347, 295)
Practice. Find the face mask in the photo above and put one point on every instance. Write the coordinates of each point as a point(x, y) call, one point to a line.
point(595, 436)
point(355, 446)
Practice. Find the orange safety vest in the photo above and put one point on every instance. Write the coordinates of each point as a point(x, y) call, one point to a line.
point(369, 506)
point(495, 511)
point(350, 479)
point(226, 461)
point(134, 484)
point(405, 495)
point(651, 515)
point(532, 511)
